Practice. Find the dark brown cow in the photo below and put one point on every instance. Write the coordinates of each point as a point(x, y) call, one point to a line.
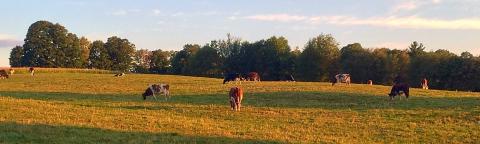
point(3, 74)
point(236, 96)
point(253, 76)
point(370, 82)
point(31, 70)
point(398, 88)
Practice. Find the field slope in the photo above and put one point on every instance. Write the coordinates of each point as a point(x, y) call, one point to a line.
point(100, 108)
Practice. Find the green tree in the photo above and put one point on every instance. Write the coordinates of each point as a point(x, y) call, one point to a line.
point(205, 62)
point(16, 56)
point(160, 61)
point(180, 59)
point(51, 45)
point(85, 50)
point(142, 61)
point(99, 57)
point(358, 62)
point(318, 61)
point(121, 52)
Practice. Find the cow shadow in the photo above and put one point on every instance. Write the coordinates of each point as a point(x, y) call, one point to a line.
point(324, 100)
point(39, 133)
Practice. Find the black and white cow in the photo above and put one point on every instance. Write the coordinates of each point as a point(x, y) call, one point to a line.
point(341, 78)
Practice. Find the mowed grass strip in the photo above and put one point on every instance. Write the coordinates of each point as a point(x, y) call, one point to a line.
point(100, 108)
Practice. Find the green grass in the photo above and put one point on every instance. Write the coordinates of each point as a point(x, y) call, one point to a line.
point(100, 108)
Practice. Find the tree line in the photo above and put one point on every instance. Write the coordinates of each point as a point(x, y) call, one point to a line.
point(51, 45)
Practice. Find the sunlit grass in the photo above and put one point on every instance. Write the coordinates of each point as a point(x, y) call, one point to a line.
point(92, 108)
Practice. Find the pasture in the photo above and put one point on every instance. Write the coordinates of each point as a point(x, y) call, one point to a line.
point(100, 108)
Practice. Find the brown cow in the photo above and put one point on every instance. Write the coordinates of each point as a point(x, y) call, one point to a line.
point(424, 83)
point(370, 82)
point(236, 96)
point(3, 74)
point(253, 76)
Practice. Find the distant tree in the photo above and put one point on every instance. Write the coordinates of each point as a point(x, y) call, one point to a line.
point(318, 61)
point(160, 61)
point(358, 62)
point(416, 49)
point(99, 57)
point(180, 59)
point(142, 61)
point(121, 52)
point(466, 55)
point(205, 62)
point(16, 56)
point(51, 45)
point(85, 49)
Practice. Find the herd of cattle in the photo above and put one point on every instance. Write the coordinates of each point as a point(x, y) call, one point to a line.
point(236, 93)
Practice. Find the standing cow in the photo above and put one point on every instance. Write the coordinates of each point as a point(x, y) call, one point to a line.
point(12, 71)
point(424, 83)
point(231, 77)
point(236, 96)
point(31, 70)
point(253, 76)
point(3, 74)
point(341, 78)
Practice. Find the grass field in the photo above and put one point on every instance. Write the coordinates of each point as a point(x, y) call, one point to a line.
point(100, 108)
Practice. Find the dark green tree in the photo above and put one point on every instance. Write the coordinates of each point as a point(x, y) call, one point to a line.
point(318, 61)
point(160, 61)
point(180, 59)
point(205, 62)
point(16, 56)
point(358, 62)
point(99, 57)
point(121, 52)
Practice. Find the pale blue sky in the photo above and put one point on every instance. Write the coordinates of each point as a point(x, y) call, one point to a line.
point(168, 25)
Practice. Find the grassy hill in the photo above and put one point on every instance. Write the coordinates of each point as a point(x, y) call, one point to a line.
point(100, 108)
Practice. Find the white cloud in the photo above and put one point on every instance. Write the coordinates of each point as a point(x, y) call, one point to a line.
point(410, 5)
point(177, 14)
point(277, 17)
point(401, 22)
point(412, 22)
point(156, 12)
point(9, 41)
point(119, 13)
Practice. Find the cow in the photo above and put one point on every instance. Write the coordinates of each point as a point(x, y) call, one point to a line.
point(32, 71)
point(370, 82)
point(235, 98)
point(11, 70)
point(341, 78)
point(399, 88)
point(232, 77)
point(3, 74)
point(253, 76)
point(157, 89)
point(289, 77)
point(424, 83)
point(119, 75)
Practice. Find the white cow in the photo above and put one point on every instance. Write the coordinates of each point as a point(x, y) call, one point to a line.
point(342, 78)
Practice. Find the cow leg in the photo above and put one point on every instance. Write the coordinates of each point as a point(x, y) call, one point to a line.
point(232, 103)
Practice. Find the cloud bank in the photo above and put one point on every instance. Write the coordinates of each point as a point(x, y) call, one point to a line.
point(410, 22)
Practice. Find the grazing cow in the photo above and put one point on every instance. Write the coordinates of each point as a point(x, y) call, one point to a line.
point(370, 82)
point(398, 88)
point(341, 78)
point(3, 74)
point(32, 71)
point(253, 76)
point(289, 77)
point(157, 89)
point(11, 71)
point(236, 96)
point(424, 83)
point(119, 75)
point(232, 77)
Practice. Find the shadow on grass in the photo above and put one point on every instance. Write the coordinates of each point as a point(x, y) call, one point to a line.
point(19, 133)
point(325, 100)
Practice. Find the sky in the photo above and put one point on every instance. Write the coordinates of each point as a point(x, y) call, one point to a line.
point(453, 25)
